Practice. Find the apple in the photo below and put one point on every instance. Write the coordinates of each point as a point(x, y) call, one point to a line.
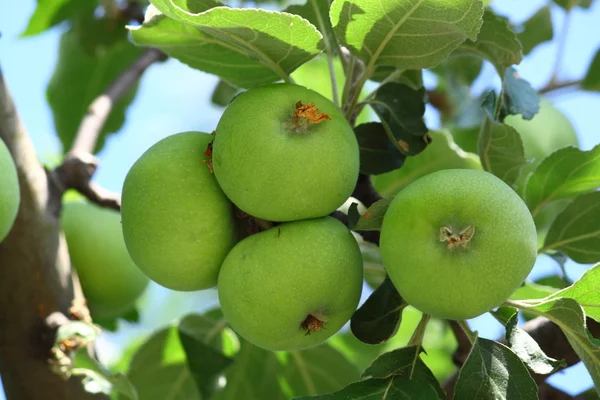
point(292, 286)
point(177, 223)
point(110, 280)
point(283, 152)
point(457, 243)
point(10, 195)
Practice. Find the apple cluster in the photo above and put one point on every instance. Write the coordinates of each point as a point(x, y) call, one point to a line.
point(283, 156)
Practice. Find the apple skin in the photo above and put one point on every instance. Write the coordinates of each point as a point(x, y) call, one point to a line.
point(10, 195)
point(271, 281)
point(110, 280)
point(458, 282)
point(275, 174)
point(177, 223)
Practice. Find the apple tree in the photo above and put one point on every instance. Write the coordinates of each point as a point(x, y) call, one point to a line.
point(320, 184)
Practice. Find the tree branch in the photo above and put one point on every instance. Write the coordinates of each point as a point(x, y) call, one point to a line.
point(556, 86)
point(80, 164)
point(364, 191)
point(35, 274)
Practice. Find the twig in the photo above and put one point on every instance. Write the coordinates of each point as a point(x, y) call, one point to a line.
point(79, 165)
point(99, 110)
point(562, 42)
point(464, 344)
point(551, 87)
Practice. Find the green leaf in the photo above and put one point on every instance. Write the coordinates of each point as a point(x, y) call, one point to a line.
point(96, 379)
point(252, 376)
point(460, 69)
point(496, 42)
point(528, 350)
point(247, 47)
point(441, 153)
point(317, 13)
point(576, 230)
point(501, 150)
point(569, 4)
point(353, 215)
point(504, 314)
point(377, 152)
point(168, 375)
point(320, 369)
point(372, 219)
point(585, 291)
point(381, 389)
point(401, 111)
point(405, 34)
point(570, 318)
point(49, 13)
point(205, 363)
point(518, 97)
point(377, 320)
point(406, 363)
point(223, 94)
point(566, 173)
point(531, 290)
point(81, 75)
point(373, 265)
point(591, 81)
point(536, 30)
point(493, 371)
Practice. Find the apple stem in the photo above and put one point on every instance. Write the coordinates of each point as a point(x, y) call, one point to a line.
point(448, 235)
point(312, 324)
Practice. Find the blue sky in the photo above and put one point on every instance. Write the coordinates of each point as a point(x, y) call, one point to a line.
point(174, 98)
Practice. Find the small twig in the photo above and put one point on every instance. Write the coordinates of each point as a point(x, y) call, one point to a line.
point(562, 42)
point(468, 332)
point(556, 86)
point(464, 344)
point(80, 164)
point(99, 110)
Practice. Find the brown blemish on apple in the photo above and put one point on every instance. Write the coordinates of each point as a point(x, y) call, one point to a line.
point(312, 324)
point(461, 239)
point(208, 154)
point(310, 112)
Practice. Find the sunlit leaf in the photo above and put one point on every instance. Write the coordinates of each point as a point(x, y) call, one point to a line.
point(536, 30)
point(405, 34)
point(566, 173)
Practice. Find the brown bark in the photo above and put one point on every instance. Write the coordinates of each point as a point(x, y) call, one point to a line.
point(35, 275)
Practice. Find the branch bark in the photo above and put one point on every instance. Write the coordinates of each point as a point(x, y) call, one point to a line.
point(80, 164)
point(35, 274)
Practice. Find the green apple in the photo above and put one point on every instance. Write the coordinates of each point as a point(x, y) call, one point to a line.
point(441, 154)
point(283, 152)
point(548, 131)
point(177, 223)
point(457, 243)
point(10, 195)
point(110, 280)
point(292, 286)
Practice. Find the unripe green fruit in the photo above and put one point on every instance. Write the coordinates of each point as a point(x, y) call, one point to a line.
point(10, 195)
point(457, 243)
point(110, 280)
point(178, 224)
point(548, 131)
point(292, 286)
point(274, 164)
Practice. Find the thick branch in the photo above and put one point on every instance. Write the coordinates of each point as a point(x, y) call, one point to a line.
point(35, 274)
